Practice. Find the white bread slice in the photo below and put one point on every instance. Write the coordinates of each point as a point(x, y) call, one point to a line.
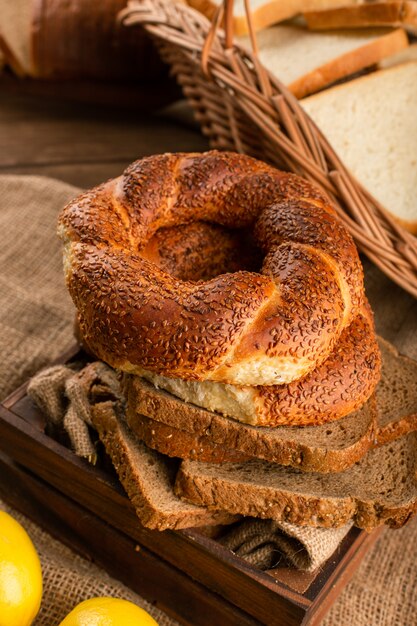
point(391, 13)
point(372, 125)
point(15, 32)
point(307, 61)
point(403, 56)
point(264, 12)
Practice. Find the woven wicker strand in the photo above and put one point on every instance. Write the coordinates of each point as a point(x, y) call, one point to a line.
point(241, 106)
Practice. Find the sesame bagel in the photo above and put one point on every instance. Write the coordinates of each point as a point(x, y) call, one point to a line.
point(334, 389)
point(243, 328)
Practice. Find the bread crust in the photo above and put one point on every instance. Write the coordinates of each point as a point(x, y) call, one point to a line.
point(349, 63)
point(240, 328)
point(392, 13)
point(182, 444)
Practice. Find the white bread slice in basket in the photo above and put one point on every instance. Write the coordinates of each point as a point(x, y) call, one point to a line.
point(403, 56)
point(264, 12)
point(148, 477)
point(392, 13)
point(372, 125)
point(307, 61)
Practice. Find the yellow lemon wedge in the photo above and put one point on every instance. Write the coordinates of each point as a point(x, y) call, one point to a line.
point(108, 612)
point(20, 575)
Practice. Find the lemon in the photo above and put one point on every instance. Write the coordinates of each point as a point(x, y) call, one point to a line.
point(20, 575)
point(108, 612)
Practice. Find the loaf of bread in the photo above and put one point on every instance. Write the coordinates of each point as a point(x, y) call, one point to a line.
point(378, 488)
point(81, 39)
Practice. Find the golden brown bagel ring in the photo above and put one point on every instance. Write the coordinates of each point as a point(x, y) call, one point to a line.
point(242, 328)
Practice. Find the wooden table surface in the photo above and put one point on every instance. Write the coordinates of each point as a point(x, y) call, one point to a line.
point(86, 144)
point(83, 144)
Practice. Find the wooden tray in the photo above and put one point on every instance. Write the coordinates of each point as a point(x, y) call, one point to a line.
point(189, 575)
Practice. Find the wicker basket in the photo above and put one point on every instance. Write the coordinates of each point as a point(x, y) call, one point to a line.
point(241, 106)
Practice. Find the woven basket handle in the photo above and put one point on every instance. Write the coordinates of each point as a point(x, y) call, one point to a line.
point(225, 9)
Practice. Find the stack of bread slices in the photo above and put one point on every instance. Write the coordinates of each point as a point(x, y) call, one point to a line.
point(183, 465)
point(231, 298)
point(353, 68)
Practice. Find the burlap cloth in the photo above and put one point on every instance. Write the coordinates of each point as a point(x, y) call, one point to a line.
point(36, 326)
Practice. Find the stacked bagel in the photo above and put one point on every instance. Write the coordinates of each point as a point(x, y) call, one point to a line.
point(231, 297)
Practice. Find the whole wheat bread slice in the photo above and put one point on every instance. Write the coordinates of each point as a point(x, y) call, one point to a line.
point(181, 444)
point(308, 61)
point(178, 429)
point(148, 477)
point(379, 489)
point(326, 448)
point(396, 395)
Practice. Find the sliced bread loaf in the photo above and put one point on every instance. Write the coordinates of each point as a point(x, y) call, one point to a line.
point(379, 489)
point(392, 13)
point(148, 477)
point(192, 432)
point(307, 61)
point(371, 124)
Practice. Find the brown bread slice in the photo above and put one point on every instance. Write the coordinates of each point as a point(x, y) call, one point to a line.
point(396, 394)
point(325, 448)
point(182, 444)
point(379, 489)
point(148, 477)
point(183, 430)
